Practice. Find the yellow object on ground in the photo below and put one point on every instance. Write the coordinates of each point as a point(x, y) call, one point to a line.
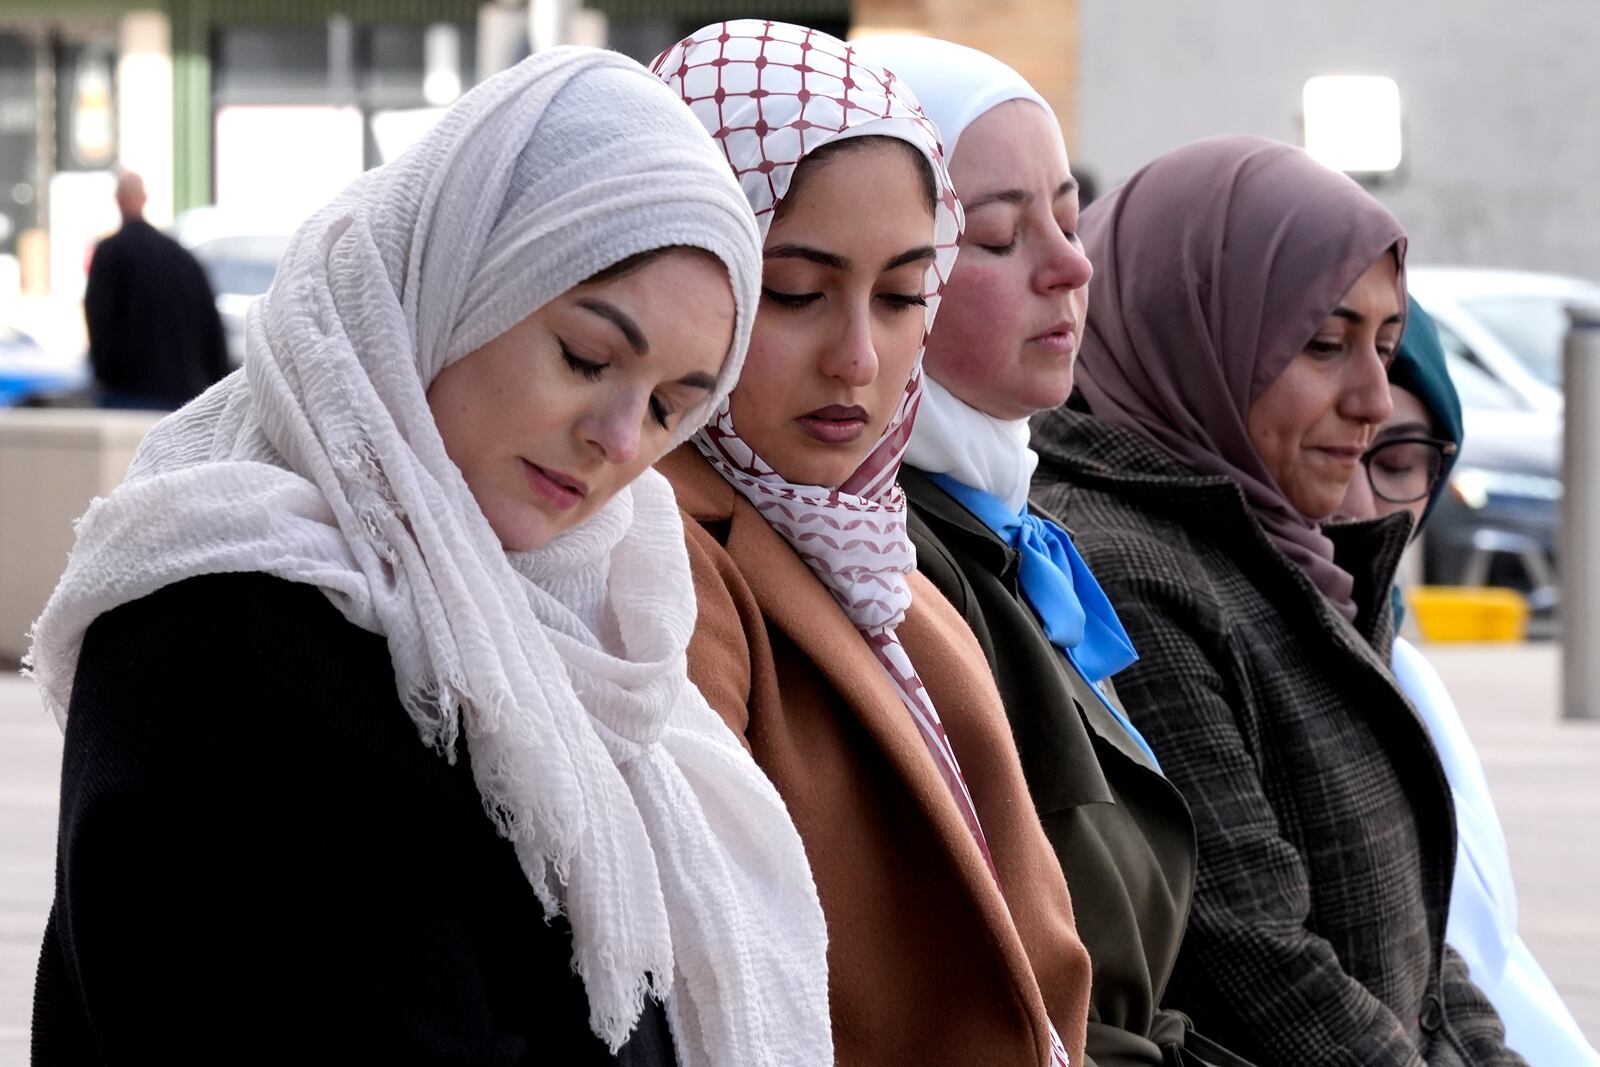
point(1469, 613)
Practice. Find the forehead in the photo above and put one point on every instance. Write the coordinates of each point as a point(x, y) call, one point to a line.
point(869, 195)
point(1013, 142)
point(1408, 408)
point(1377, 291)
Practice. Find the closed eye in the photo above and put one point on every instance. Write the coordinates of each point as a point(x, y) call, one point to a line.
point(590, 370)
point(1002, 250)
point(790, 300)
point(901, 301)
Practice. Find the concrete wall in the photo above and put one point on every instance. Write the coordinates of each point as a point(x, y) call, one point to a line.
point(52, 464)
point(1500, 101)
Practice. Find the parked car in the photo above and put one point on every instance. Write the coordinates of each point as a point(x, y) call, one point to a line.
point(239, 262)
point(28, 369)
point(1503, 333)
point(1510, 324)
point(1499, 521)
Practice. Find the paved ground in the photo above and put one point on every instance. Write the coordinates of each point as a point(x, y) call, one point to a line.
point(1545, 776)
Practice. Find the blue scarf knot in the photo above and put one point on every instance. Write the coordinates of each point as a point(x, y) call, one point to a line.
point(1071, 607)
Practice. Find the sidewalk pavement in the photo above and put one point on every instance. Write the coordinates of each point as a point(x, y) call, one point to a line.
point(1545, 776)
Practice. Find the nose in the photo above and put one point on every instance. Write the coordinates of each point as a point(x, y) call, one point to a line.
point(612, 429)
point(850, 354)
point(1064, 264)
point(1366, 396)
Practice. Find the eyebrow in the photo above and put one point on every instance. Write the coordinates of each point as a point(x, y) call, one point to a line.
point(1017, 196)
point(1405, 429)
point(698, 380)
point(838, 262)
point(618, 318)
point(806, 252)
point(1356, 316)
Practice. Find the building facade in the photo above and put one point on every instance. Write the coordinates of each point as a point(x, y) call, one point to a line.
point(266, 107)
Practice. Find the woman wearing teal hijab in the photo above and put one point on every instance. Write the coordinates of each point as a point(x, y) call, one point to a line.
point(1408, 467)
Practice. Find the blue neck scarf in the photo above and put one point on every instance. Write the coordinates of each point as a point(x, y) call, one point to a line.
point(1071, 607)
point(1069, 603)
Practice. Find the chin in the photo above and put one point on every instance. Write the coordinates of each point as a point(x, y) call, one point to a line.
point(524, 532)
point(1322, 507)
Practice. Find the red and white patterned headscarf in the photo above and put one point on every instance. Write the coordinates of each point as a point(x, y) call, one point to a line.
point(770, 92)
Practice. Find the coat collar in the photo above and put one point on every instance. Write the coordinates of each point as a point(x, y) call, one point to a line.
point(956, 526)
point(1096, 453)
point(794, 602)
point(964, 532)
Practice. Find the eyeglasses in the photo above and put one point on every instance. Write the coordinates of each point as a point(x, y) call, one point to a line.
point(1404, 470)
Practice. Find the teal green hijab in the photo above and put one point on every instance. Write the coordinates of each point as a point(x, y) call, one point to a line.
point(1419, 368)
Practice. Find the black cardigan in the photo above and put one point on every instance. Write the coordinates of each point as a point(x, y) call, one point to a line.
point(259, 861)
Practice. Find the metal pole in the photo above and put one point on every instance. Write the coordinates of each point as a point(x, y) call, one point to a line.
point(1580, 518)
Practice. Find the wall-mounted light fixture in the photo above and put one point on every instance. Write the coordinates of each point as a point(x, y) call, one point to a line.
point(1352, 123)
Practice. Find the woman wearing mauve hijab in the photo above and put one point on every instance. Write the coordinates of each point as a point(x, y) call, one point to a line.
point(856, 686)
point(1002, 349)
point(1245, 306)
point(380, 746)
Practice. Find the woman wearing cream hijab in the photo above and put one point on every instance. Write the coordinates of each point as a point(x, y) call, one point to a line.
point(379, 741)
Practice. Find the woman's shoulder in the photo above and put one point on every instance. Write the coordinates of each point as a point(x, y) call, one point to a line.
point(1124, 539)
point(702, 493)
point(252, 645)
point(244, 616)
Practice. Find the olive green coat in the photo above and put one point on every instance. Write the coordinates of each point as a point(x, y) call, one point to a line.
point(1122, 832)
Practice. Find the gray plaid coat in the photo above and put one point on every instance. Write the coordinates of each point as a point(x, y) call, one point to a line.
point(1325, 826)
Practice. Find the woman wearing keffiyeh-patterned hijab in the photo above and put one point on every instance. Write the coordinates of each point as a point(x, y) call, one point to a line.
point(855, 684)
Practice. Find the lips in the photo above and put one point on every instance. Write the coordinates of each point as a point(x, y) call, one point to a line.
point(1062, 336)
point(835, 424)
point(1348, 454)
point(559, 490)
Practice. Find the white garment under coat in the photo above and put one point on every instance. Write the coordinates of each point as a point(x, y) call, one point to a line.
point(1483, 900)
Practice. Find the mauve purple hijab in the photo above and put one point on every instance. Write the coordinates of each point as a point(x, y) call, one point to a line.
point(1213, 266)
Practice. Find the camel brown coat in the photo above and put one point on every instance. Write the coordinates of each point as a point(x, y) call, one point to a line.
point(926, 964)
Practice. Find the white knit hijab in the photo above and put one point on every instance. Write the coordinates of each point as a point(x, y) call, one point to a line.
point(958, 85)
point(632, 809)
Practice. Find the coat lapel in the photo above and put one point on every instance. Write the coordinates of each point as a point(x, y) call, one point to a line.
point(797, 603)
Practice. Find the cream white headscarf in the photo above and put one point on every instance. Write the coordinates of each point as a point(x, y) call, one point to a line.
point(632, 809)
point(958, 85)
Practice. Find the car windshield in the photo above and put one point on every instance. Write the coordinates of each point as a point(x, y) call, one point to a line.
point(1478, 391)
point(1532, 327)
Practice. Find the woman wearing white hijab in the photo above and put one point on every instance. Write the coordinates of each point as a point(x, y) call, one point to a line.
point(379, 741)
point(1001, 350)
point(856, 686)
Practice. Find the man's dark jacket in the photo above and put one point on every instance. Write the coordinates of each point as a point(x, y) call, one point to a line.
point(154, 332)
point(1325, 826)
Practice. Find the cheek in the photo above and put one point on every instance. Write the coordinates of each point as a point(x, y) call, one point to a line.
point(978, 324)
point(452, 400)
point(772, 371)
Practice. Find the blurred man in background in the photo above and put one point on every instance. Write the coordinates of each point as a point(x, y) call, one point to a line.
point(155, 339)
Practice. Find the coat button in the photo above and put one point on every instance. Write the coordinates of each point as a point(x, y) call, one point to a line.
point(1432, 1017)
